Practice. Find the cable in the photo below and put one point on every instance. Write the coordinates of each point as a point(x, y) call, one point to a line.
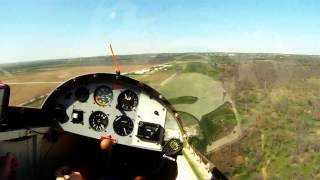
point(37, 132)
point(48, 151)
point(26, 136)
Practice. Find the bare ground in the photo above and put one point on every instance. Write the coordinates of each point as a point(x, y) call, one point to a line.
point(22, 90)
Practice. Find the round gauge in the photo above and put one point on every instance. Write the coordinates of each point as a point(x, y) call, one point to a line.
point(128, 100)
point(103, 96)
point(98, 120)
point(123, 125)
point(82, 94)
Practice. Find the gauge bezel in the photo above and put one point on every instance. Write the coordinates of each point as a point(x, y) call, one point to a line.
point(95, 114)
point(130, 121)
point(95, 94)
point(120, 99)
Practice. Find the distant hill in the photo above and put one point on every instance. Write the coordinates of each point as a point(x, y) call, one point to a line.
point(84, 61)
point(147, 59)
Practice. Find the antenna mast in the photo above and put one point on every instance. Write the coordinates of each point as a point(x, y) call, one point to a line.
point(115, 61)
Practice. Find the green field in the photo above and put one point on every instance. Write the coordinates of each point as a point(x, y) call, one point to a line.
point(197, 94)
point(208, 92)
point(188, 119)
point(218, 123)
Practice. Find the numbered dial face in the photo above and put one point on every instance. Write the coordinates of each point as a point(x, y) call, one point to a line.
point(98, 121)
point(123, 125)
point(128, 100)
point(103, 96)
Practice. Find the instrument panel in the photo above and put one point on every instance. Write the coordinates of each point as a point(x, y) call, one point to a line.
point(104, 106)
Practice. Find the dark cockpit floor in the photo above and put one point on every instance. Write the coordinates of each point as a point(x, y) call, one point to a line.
point(123, 162)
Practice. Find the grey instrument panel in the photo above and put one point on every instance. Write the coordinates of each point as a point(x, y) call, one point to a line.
point(123, 123)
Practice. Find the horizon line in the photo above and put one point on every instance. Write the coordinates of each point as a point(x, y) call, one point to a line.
point(151, 53)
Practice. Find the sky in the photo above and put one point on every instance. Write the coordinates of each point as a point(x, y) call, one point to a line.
point(50, 29)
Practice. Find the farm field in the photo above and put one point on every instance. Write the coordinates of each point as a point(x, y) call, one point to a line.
point(275, 132)
point(208, 92)
point(29, 85)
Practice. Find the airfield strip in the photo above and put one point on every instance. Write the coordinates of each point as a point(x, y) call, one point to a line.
point(168, 79)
